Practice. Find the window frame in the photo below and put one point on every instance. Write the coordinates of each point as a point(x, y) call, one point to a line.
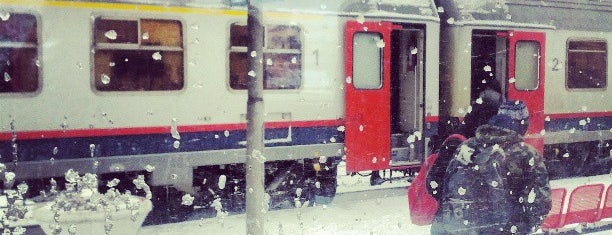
point(566, 72)
point(231, 49)
point(39, 52)
point(136, 47)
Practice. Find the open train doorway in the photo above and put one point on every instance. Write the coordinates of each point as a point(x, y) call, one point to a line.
point(407, 96)
point(489, 65)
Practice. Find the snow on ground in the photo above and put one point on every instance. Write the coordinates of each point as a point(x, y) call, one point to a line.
point(372, 212)
point(353, 211)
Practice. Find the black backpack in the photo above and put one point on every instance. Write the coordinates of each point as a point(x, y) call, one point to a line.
point(475, 199)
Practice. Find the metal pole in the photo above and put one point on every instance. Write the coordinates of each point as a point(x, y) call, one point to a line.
point(256, 203)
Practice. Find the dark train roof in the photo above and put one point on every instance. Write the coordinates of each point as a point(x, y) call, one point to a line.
point(591, 15)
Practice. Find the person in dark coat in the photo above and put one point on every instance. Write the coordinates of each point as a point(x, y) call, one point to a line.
point(524, 177)
point(483, 109)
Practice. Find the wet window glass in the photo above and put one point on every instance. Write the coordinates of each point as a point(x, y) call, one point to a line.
point(587, 64)
point(527, 68)
point(282, 57)
point(18, 53)
point(138, 55)
point(367, 54)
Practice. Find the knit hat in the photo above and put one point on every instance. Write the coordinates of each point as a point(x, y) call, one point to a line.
point(512, 115)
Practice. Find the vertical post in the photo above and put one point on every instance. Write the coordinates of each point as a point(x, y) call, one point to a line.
point(256, 203)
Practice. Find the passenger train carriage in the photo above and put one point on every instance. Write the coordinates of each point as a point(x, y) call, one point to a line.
point(160, 89)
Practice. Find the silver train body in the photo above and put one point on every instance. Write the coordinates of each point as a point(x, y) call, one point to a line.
point(134, 87)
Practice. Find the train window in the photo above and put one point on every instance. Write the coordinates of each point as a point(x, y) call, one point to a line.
point(138, 55)
point(367, 74)
point(586, 64)
point(282, 57)
point(527, 68)
point(18, 53)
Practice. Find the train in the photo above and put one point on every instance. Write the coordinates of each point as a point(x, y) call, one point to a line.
point(159, 88)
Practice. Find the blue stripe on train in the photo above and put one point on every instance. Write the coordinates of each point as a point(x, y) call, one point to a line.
point(564, 124)
point(105, 146)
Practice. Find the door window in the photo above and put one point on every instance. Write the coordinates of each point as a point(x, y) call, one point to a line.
point(367, 54)
point(527, 68)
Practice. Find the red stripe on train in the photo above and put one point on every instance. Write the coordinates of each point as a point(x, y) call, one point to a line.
point(579, 115)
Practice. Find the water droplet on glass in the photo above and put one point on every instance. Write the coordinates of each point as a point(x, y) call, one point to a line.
point(318, 184)
point(341, 128)
point(450, 20)
point(487, 68)
point(7, 77)
point(433, 184)
point(440, 9)
point(566, 155)
point(360, 127)
point(543, 132)
point(414, 51)
point(111, 34)
point(176, 144)
point(173, 176)
point(512, 80)
point(374, 160)
point(5, 15)
point(572, 130)
point(252, 73)
point(222, 180)
point(149, 168)
point(111, 64)
point(226, 133)
point(105, 79)
point(513, 229)
point(461, 191)
point(92, 149)
point(187, 200)
point(145, 36)
point(348, 80)
point(55, 150)
point(380, 43)
point(37, 63)
point(582, 122)
point(269, 61)
point(157, 56)
point(72, 229)
point(174, 130)
point(253, 54)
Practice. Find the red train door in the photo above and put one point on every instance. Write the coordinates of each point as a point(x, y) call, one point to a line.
point(367, 108)
point(526, 64)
